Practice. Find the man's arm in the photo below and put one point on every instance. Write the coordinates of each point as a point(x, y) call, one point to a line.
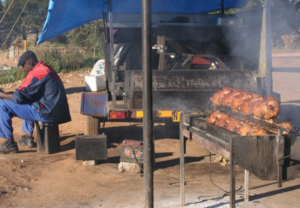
point(6, 95)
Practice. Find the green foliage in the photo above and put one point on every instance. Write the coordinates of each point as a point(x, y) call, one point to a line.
point(12, 75)
point(90, 36)
point(31, 19)
point(65, 59)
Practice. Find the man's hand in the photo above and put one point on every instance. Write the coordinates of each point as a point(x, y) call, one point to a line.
point(6, 95)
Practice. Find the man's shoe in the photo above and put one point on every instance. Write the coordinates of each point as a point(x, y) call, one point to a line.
point(8, 147)
point(26, 141)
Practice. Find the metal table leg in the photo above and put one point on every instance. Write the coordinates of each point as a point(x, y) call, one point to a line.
point(232, 175)
point(246, 194)
point(182, 148)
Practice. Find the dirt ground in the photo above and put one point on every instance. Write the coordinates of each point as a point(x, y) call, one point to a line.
point(30, 179)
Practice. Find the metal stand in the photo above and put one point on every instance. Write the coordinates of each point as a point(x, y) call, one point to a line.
point(232, 175)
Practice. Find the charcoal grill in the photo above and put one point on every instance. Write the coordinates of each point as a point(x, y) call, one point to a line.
point(268, 157)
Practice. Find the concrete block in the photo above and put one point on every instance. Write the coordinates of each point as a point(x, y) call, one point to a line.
point(129, 167)
point(89, 162)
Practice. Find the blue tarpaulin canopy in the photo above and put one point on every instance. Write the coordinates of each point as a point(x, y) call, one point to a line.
point(66, 15)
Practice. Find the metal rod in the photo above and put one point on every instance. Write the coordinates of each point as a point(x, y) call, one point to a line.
point(147, 103)
point(112, 61)
point(232, 174)
point(182, 151)
point(246, 194)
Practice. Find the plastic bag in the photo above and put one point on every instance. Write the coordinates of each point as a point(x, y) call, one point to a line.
point(99, 68)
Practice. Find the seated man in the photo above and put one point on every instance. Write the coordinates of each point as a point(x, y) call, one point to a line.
point(41, 97)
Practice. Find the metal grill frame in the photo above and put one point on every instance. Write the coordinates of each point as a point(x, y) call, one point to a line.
point(230, 148)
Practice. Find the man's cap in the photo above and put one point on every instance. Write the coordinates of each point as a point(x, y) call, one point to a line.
point(25, 56)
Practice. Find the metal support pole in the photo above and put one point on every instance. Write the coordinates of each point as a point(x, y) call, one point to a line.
point(222, 7)
point(246, 180)
point(25, 45)
point(265, 56)
point(232, 175)
point(147, 103)
point(112, 61)
point(182, 151)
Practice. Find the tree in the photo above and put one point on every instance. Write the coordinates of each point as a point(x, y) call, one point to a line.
point(90, 36)
point(32, 18)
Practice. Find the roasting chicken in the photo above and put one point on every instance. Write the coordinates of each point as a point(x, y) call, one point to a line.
point(287, 125)
point(217, 117)
point(232, 124)
point(221, 120)
point(228, 98)
point(243, 130)
point(212, 118)
point(218, 96)
point(255, 131)
point(236, 103)
point(247, 105)
point(266, 109)
point(273, 109)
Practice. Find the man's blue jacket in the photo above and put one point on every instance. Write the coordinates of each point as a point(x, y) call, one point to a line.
point(44, 89)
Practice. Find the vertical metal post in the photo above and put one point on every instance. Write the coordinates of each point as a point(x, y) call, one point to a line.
point(269, 78)
point(147, 103)
point(232, 174)
point(161, 64)
point(182, 150)
point(112, 61)
point(246, 180)
point(222, 7)
point(25, 45)
point(265, 57)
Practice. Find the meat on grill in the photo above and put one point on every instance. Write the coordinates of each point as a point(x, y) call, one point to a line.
point(218, 96)
point(237, 102)
point(247, 103)
point(224, 121)
point(244, 130)
point(221, 119)
point(287, 125)
point(255, 131)
point(228, 98)
point(212, 118)
point(266, 109)
point(232, 124)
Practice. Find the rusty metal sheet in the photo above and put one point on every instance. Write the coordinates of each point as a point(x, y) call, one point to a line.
point(94, 103)
point(257, 154)
point(291, 168)
point(197, 80)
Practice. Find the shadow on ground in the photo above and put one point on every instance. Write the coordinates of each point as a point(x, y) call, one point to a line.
point(135, 132)
point(74, 90)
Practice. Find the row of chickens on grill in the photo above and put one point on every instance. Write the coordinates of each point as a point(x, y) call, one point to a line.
point(249, 104)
